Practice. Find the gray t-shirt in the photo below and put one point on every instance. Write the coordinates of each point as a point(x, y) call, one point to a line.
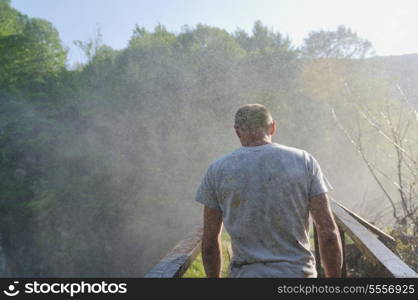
point(263, 193)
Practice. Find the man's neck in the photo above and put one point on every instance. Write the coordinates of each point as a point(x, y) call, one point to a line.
point(256, 143)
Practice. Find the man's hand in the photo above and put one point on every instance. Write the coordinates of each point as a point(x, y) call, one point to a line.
point(211, 243)
point(328, 235)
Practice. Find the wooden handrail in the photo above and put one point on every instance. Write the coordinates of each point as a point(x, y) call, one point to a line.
point(178, 260)
point(370, 245)
point(383, 236)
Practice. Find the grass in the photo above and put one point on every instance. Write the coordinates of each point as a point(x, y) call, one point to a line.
point(196, 269)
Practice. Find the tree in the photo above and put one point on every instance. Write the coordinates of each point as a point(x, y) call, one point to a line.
point(11, 20)
point(342, 43)
point(31, 55)
point(262, 39)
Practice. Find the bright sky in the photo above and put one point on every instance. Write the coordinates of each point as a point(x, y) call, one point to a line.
point(391, 25)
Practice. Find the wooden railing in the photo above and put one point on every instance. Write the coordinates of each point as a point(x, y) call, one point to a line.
point(176, 262)
point(377, 246)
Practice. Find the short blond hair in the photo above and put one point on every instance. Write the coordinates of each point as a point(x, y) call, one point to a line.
point(253, 117)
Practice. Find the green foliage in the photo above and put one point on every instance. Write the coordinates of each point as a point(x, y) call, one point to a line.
point(262, 40)
point(407, 245)
point(342, 43)
point(30, 51)
point(11, 21)
point(196, 269)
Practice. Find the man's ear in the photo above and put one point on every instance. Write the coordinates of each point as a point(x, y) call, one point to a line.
point(273, 128)
point(237, 132)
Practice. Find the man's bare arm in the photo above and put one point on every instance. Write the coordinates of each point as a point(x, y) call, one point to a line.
point(328, 235)
point(211, 243)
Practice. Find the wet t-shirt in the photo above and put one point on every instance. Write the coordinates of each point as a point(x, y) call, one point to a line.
point(263, 193)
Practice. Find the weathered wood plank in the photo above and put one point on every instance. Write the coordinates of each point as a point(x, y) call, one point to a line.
point(383, 236)
point(370, 246)
point(176, 262)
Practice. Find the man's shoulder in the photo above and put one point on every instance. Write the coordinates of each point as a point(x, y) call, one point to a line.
point(221, 159)
point(302, 156)
point(292, 151)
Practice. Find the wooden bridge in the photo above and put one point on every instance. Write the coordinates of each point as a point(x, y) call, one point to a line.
point(377, 247)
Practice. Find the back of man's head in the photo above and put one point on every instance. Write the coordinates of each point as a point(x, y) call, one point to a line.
point(253, 117)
